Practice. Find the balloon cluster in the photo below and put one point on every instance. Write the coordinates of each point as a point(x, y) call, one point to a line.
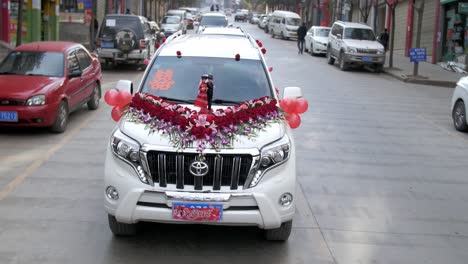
point(293, 107)
point(119, 100)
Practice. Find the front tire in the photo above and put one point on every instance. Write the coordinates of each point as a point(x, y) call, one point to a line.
point(459, 116)
point(312, 53)
point(279, 234)
point(330, 59)
point(61, 120)
point(342, 62)
point(121, 229)
point(93, 102)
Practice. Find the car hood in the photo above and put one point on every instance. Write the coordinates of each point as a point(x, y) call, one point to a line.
point(363, 44)
point(138, 132)
point(172, 27)
point(321, 39)
point(23, 86)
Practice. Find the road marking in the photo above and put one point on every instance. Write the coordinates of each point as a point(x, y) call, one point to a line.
point(13, 184)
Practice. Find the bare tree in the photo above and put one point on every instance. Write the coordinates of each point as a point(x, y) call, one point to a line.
point(420, 11)
point(365, 7)
point(392, 4)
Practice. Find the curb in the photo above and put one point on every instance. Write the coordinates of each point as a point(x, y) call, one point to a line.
point(404, 78)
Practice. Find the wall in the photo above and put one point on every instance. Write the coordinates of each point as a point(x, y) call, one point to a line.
point(401, 13)
point(75, 32)
point(427, 32)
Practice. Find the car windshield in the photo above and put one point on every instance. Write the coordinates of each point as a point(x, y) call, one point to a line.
point(179, 78)
point(293, 21)
point(213, 21)
point(171, 20)
point(33, 63)
point(359, 33)
point(322, 32)
point(116, 24)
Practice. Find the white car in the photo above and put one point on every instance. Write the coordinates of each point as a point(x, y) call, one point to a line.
point(263, 22)
point(284, 24)
point(155, 172)
point(459, 102)
point(316, 40)
point(212, 19)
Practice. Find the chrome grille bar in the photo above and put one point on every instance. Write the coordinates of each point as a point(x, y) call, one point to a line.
point(180, 171)
point(218, 171)
point(162, 169)
point(236, 168)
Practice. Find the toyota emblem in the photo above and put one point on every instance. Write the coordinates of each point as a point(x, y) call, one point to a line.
point(199, 168)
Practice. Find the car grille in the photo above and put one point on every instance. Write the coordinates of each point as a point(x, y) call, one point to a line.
point(224, 170)
point(367, 51)
point(11, 102)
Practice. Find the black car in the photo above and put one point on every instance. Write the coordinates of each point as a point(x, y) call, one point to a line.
point(239, 16)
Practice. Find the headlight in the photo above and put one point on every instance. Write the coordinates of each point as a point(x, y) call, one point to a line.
point(380, 51)
point(352, 50)
point(128, 150)
point(272, 156)
point(36, 100)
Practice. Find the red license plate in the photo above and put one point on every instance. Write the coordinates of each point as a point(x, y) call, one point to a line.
point(197, 212)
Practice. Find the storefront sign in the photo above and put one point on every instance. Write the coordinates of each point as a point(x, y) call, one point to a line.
point(418, 54)
point(463, 8)
point(84, 4)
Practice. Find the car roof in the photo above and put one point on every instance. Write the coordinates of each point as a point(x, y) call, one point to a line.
point(287, 13)
point(211, 45)
point(353, 25)
point(223, 31)
point(214, 14)
point(320, 27)
point(52, 46)
point(177, 11)
point(124, 15)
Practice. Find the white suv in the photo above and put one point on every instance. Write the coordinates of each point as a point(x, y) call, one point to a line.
point(249, 181)
point(354, 44)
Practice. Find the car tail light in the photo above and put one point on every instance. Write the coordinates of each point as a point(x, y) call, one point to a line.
point(142, 44)
point(98, 42)
point(190, 20)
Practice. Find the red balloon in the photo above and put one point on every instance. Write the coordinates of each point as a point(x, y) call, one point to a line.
point(110, 97)
point(294, 120)
point(301, 105)
point(123, 98)
point(288, 105)
point(116, 113)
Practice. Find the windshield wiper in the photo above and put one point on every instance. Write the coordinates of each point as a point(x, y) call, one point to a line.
point(7, 72)
point(35, 74)
point(222, 101)
point(176, 100)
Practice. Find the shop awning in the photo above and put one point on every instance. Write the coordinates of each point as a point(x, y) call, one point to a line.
point(443, 2)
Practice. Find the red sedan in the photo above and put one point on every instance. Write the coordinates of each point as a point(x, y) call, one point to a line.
point(43, 82)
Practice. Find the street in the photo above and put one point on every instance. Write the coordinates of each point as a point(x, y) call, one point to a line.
point(382, 178)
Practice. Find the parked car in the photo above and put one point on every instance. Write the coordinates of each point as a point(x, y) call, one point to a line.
point(212, 19)
point(241, 15)
point(190, 20)
point(43, 82)
point(284, 24)
point(183, 14)
point(171, 24)
point(125, 39)
point(254, 19)
point(263, 22)
point(228, 12)
point(459, 105)
point(250, 183)
point(316, 40)
point(354, 44)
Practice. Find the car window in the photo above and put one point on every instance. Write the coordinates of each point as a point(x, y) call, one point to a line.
point(73, 62)
point(83, 59)
point(213, 21)
point(322, 32)
point(146, 28)
point(112, 25)
point(283, 21)
point(359, 33)
point(33, 63)
point(234, 80)
point(171, 20)
point(293, 21)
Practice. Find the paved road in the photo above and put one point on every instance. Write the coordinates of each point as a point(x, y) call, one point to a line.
point(382, 179)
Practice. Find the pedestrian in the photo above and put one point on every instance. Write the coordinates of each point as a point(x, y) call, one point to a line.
point(383, 39)
point(127, 12)
point(301, 33)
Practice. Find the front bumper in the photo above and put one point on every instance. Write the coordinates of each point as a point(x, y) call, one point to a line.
point(118, 55)
point(319, 48)
point(360, 58)
point(258, 206)
point(32, 116)
point(290, 34)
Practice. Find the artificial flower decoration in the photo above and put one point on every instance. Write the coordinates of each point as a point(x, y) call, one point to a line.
point(186, 127)
point(264, 50)
point(259, 44)
point(179, 54)
point(270, 69)
point(146, 61)
point(237, 57)
point(157, 45)
point(163, 40)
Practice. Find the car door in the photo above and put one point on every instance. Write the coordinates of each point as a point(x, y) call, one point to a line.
point(309, 37)
point(87, 76)
point(73, 85)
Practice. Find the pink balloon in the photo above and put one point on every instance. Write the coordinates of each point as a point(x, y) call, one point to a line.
point(288, 105)
point(110, 97)
point(123, 98)
point(116, 113)
point(294, 120)
point(301, 105)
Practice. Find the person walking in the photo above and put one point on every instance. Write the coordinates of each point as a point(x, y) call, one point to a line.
point(301, 33)
point(383, 39)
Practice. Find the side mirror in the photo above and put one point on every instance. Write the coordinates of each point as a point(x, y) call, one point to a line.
point(75, 74)
point(292, 92)
point(125, 85)
point(338, 36)
point(196, 23)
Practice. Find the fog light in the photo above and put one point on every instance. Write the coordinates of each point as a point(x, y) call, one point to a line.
point(112, 193)
point(286, 199)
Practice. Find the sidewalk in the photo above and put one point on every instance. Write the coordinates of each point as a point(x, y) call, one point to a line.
point(430, 74)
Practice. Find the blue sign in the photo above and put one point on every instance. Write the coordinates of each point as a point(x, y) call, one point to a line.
point(418, 54)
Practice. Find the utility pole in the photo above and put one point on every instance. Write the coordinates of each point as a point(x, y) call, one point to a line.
point(19, 29)
point(420, 12)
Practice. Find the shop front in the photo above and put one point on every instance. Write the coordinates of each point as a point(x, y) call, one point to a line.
point(455, 30)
